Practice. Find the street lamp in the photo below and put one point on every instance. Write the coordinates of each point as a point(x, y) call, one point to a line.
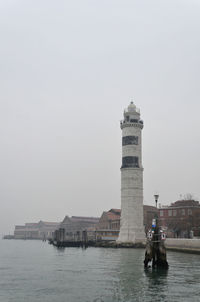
point(156, 196)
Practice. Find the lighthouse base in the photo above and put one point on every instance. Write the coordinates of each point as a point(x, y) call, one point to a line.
point(135, 235)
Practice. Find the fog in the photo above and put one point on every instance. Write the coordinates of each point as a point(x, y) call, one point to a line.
point(67, 71)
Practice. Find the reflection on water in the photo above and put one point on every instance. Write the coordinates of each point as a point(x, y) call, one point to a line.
point(157, 283)
point(33, 271)
point(138, 283)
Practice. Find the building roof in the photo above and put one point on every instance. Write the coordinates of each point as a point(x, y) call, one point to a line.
point(113, 216)
point(79, 219)
point(117, 211)
point(49, 223)
point(67, 219)
point(149, 208)
point(182, 204)
point(85, 218)
point(30, 224)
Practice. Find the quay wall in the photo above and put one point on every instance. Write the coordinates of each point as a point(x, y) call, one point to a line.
point(184, 245)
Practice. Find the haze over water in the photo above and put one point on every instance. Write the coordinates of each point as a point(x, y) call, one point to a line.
point(33, 271)
point(68, 70)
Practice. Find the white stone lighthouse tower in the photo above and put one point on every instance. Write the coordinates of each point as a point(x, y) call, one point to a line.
point(131, 223)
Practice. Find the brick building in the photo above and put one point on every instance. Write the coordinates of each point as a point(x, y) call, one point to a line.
point(181, 218)
point(109, 223)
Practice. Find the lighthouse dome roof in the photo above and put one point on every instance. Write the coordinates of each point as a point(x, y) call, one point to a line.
point(131, 107)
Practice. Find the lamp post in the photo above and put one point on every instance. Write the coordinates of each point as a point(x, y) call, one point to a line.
point(155, 220)
point(156, 237)
point(156, 196)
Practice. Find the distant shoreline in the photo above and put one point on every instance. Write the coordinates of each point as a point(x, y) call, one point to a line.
point(183, 245)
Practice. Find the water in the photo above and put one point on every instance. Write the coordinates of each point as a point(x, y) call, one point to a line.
point(34, 271)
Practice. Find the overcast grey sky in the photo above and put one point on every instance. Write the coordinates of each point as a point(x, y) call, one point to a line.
point(67, 71)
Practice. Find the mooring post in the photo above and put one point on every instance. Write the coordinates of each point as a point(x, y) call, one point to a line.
point(155, 248)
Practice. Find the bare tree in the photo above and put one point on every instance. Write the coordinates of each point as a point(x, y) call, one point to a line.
point(188, 196)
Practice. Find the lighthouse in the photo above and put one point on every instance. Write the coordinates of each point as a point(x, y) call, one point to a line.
point(131, 223)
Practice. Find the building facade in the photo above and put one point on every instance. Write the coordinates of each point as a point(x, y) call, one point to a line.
point(181, 219)
point(42, 230)
point(73, 228)
point(131, 225)
point(109, 225)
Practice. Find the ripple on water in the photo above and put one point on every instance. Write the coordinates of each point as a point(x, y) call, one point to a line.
point(37, 272)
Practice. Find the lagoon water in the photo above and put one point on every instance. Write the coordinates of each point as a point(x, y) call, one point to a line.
point(34, 271)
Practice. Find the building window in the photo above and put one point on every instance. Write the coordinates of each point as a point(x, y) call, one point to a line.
point(161, 213)
point(189, 212)
point(130, 162)
point(183, 211)
point(127, 118)
point(129, 140)
point(174, 212)
point(169, 212)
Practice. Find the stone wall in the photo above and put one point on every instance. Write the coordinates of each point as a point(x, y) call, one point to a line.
point(183, 244)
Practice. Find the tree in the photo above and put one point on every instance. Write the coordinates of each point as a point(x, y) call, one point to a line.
point(188, 196)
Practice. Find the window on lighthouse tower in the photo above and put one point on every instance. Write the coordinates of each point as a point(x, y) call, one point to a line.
point(130, 162)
